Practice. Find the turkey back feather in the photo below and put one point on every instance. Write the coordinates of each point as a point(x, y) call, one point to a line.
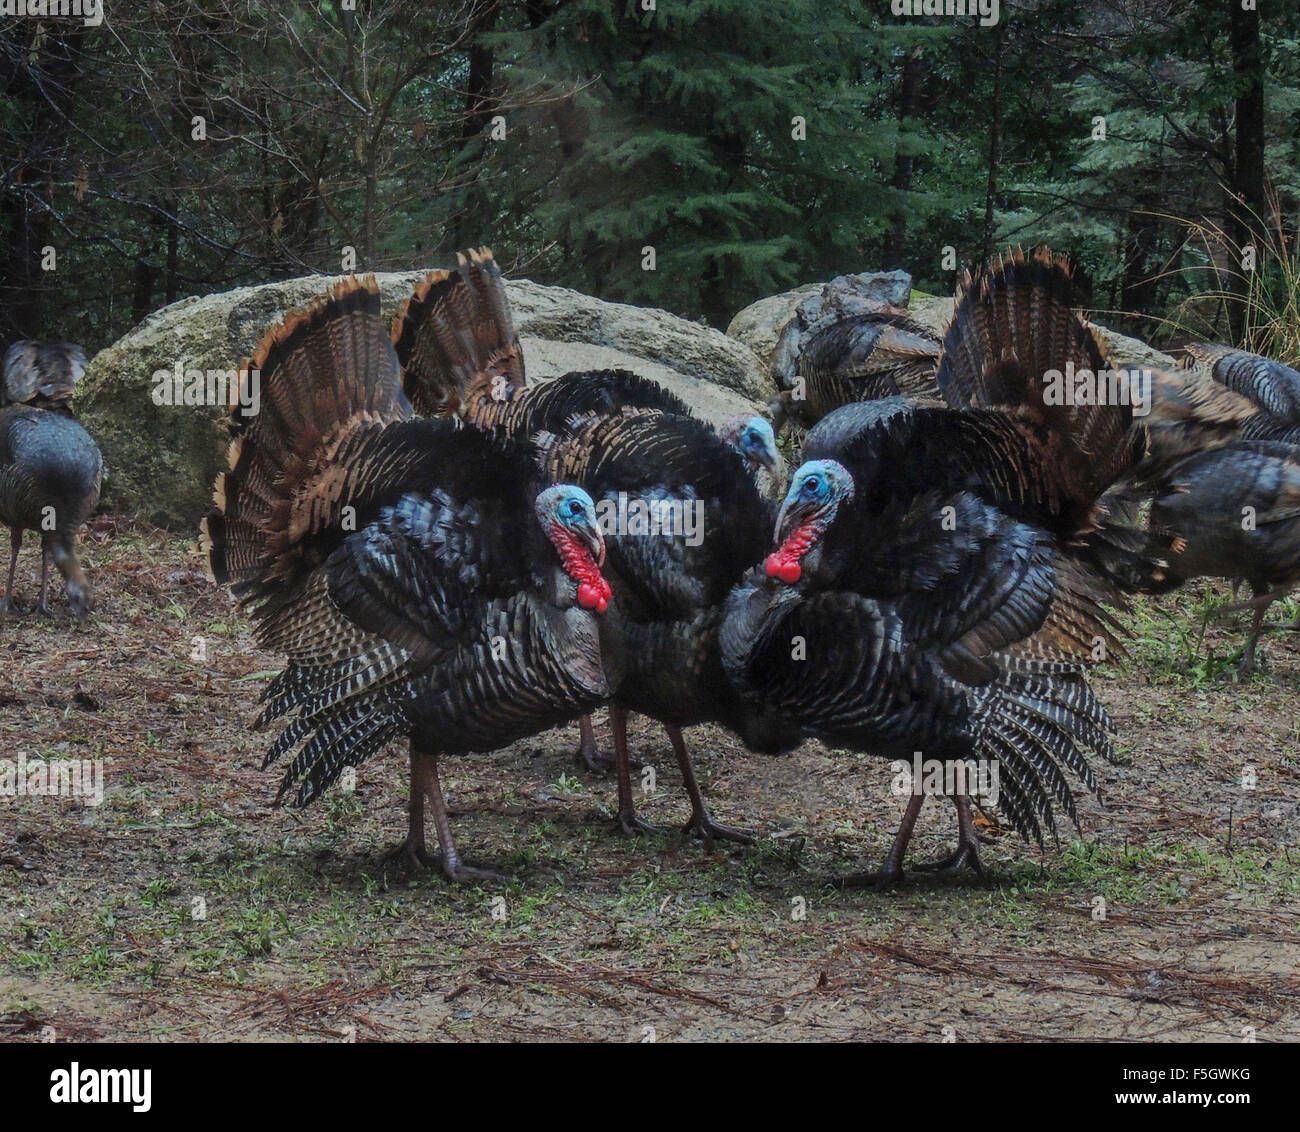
point(41, 373)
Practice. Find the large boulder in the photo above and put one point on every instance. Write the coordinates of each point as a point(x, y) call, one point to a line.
point(760, 324)
point(163, 458)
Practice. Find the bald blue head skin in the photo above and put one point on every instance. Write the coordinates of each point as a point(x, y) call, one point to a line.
point(754, 439)
point(567, 508)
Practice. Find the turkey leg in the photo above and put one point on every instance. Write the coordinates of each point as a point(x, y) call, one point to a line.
point(701, 823)
point(43, 606)
point(891, 872)
point(588, 754)
point(1259, 603)
point(967, 853)
point(15, 543)
point(628, 821)
point(425, 785)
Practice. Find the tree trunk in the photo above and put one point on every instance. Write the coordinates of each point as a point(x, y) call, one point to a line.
point(894, 247)
point(995, 147)
point(1248, 205)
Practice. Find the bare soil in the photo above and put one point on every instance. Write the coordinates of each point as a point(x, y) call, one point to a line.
point(185, 907)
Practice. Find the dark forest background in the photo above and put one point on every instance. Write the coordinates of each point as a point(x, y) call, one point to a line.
point(187, 147)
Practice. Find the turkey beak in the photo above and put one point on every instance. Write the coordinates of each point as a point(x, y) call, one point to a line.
point(589, 531)
point(786, 519)
point(774, 462)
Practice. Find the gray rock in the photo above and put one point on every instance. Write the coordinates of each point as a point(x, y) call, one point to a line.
point(560, 315)
point(760, 324)
point(163, 459)
point(1132, 353)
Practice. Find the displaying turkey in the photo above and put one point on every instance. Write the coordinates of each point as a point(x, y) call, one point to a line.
point(931, 589)
point(846, 346)
point(419, 579)
point(42, 373)
point(681, 514)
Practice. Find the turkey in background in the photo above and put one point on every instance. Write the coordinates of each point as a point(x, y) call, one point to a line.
point(51, 471)
point(852, 342)
point(1223, 481)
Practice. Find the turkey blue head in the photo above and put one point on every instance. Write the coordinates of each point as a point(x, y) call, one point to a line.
point(816, 492)
point(754, 439)
point(568, 516)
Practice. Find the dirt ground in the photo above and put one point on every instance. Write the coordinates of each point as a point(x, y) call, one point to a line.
point(186, 907)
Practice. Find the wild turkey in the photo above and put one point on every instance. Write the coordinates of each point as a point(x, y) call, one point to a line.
point(42, 373)
point(630, 444)
point(1190, 412)
point(419, 579)
point(846, 348)
point(928, 591)
point(1218, 473)
point(1232, 512)
point(51, 471)
point(755, 440)
point(1272, 387)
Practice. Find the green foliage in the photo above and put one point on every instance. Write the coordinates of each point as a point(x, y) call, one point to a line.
point(574, 134)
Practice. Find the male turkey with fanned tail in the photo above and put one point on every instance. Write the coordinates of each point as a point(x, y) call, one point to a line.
point(629, 443)
point(419, 578)
point(933, 588)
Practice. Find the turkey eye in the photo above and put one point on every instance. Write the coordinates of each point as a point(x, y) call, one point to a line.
point(811, 485)
point(575, 508)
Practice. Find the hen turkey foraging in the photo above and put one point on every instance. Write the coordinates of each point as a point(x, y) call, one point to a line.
point(51, 471)
point(1232, 512)
point(682, 516)
point(930, 590)
point(419, 579)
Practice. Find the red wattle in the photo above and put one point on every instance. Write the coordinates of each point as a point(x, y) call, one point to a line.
point(594, 594)
point(593, 591)
point(787, 571)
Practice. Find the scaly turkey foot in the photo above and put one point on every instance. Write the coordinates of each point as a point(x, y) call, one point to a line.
point(597, 761)
point(594, 761)
point(965, 856)
point(45, 609)
point(632, 825)
point(885, 877)
point(703, 827)
point(418, 859)
point(1248, 666)
point(591, 757)
point(413, 856)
